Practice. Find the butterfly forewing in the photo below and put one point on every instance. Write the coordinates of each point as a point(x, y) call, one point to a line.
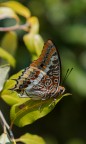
point(42, 78)
point(49, 61)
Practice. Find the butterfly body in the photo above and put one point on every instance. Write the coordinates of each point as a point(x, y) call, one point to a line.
point(41, 80)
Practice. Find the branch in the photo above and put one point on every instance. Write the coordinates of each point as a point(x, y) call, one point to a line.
point(6, 127)
point(24, 27)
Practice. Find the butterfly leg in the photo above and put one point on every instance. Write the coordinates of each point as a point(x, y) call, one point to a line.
point(22, 93)
point(40, 107)
point(53, 102)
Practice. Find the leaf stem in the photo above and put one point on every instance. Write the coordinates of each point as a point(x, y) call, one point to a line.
point(6, 127)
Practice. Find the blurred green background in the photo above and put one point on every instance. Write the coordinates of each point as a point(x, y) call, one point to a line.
point(64, 22)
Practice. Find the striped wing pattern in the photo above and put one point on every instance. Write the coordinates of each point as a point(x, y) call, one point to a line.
point(41, 79)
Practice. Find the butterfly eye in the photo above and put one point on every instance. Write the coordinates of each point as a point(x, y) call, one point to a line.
point(61, 90)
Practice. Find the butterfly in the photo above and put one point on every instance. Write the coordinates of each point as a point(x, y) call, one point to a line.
point(41, 80)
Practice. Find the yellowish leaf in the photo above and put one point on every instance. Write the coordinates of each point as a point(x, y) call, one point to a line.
point(34, 43)
point(31, 139)
point(34, 24)
point(18, 8)
point(5, 55)
point(8, 13)
point(9, 42)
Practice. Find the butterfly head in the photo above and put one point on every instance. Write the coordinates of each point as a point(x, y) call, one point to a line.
point(61, 90)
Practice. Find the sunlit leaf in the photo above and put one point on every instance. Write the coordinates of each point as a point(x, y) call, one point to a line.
point(34, 44)
point(34, 24)
point(26, 113)
point(3, 75)
point(9, 42)
point(9, 96)
point(5, 55)
point(8, 13)
point(32, 139)
point(18, 8)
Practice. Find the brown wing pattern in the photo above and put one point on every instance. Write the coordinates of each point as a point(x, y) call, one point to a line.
point(41, 80)
point(49, 61)
point(49, 52)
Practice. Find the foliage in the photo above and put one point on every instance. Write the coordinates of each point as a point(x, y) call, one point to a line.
point(25, 111)
point(65, 23)
point(10, 10)
point(32, 139)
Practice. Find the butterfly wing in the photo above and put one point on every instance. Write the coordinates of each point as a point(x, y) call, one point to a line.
point(49, 61)
point(42, 78)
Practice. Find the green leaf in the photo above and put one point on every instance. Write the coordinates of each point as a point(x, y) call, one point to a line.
point(25, 110)
point(11, 97)
point(5, 55)
point(9, 42)
point(3, 75)
point(31, 139)
point(34, 44)
point(26, 113)
point(18, 8)
point(8, 13)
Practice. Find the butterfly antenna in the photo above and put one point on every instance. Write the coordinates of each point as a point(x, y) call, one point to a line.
point(67, 74)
